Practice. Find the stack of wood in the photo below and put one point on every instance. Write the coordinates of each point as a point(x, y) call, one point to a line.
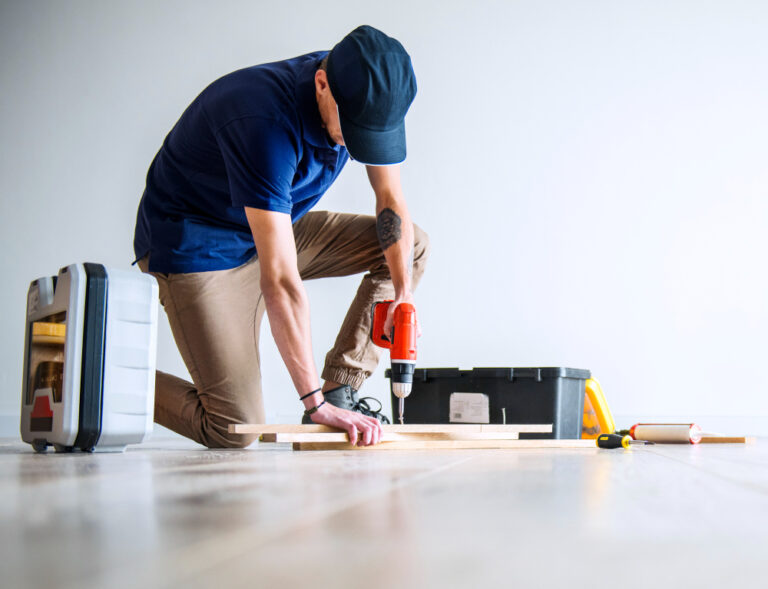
point(411, 437)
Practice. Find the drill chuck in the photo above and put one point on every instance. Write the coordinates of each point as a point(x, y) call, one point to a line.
point(401, 343)
point(401, 389)
point(402, 377)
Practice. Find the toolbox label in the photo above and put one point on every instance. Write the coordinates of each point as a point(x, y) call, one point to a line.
point(469, 408)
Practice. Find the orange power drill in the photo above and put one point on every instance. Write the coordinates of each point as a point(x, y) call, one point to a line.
point(401, 343)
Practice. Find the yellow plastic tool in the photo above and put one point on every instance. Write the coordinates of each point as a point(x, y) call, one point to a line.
point(597, 418)
point(609, 441)
point(48, 333)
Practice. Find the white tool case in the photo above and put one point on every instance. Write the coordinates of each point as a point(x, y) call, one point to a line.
point(89, 359)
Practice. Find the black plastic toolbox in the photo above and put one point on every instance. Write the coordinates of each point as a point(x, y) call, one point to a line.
point(499, 395)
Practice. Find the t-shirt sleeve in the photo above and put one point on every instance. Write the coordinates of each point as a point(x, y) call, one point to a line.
point(260, 157)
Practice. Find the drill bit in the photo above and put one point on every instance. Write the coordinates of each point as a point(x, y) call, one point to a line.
point(402, 409)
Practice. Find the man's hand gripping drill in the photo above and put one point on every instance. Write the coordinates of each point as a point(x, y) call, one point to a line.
point(400, 340)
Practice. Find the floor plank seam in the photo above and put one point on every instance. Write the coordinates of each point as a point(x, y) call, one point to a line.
point(203, 553)
point(740, 484)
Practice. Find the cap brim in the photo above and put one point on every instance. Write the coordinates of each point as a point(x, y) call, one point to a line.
point(374, 148)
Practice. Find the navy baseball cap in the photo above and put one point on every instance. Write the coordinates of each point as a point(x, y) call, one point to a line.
point(372, 81)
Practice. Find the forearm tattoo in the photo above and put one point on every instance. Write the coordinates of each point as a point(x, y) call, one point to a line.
point(388, 228)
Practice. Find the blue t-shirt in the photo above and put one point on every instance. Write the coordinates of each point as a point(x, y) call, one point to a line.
point(253, 138)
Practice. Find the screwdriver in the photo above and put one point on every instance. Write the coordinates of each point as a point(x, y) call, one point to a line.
point(616, 441)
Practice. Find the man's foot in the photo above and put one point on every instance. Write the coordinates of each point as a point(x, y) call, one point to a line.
point(345, 397)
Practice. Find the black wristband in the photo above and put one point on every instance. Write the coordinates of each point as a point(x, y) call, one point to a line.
point(309, 394)
point(309, 412)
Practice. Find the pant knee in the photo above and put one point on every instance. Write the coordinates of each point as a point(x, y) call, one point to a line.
point(230, 441)
point(216, 432)
point(421, 248)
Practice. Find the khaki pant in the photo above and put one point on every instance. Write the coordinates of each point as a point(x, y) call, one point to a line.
point(215, 318)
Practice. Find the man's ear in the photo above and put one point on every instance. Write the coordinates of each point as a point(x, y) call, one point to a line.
point(321, 81)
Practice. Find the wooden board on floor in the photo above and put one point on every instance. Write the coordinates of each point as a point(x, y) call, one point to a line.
point(453, 428)
point(727, 440)
point(340, 437)
point(449, 445)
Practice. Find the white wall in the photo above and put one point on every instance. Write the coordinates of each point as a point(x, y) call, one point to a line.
point(592, 174)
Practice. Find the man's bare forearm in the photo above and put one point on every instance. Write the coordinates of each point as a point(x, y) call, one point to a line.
point(288, 311)
point(395, 233)
point(285, 297)
point(393, 226)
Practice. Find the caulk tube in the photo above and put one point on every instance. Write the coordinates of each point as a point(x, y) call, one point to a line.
point(667, 433)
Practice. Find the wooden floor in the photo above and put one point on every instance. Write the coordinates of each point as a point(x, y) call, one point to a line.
point(170, 514)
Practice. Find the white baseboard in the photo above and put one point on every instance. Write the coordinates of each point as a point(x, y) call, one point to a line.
point(749, 425)
point(9, 426)
point(162, 433)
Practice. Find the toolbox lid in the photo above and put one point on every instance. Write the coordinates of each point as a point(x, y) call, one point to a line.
point(536, 373)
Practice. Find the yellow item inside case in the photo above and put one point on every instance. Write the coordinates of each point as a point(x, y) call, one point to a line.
point(597, 418)
point(48, 333)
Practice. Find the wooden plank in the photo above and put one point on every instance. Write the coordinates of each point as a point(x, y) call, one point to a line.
point(450, 445)
point(727, 440)
point(340, 437)
point(260, 428)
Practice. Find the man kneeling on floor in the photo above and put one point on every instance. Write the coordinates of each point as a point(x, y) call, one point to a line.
point(224, 225)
